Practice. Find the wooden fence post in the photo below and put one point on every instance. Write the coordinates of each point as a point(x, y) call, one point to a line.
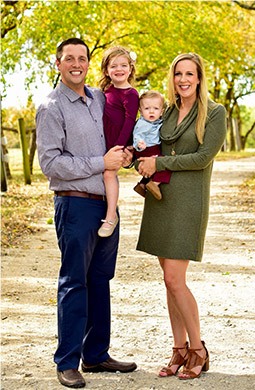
point(3, 173)
point(23, 141)
point(5, 154)
point(32, 149)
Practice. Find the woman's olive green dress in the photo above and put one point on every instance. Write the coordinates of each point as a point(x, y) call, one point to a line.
point(175, 226)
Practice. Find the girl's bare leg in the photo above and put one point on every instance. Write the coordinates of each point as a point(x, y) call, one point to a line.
point(112, 196)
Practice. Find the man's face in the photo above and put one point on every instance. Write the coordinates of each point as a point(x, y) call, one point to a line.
point(73, 66)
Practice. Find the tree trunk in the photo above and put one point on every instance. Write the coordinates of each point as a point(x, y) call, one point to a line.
point(5, 155)
point(3, 174)
point(232, 146)
point(23, 141)
point(245, 137)
point(229, 108)
point(216, 91)
point(32, 150)
point(237, 137)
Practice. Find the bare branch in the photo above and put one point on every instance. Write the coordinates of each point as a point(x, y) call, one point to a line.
point(10, 2)
point(98, 46)
point(243, 4)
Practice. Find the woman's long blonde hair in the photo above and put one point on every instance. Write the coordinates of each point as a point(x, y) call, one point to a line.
point(115, 51)
point(202, 91)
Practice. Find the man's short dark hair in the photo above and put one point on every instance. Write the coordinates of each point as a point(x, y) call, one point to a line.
point(71, 41)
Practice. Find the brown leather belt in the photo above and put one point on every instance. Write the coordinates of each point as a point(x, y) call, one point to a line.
point(80, 194)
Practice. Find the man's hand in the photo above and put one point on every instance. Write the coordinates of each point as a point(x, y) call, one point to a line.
point(113, 159)
point(128, 156)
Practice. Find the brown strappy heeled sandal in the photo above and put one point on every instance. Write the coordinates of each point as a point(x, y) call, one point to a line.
point(177, 359)
point(195, 360)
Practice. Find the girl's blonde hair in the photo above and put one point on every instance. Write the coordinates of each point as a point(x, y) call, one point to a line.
point(202, 91)
point(111, 53)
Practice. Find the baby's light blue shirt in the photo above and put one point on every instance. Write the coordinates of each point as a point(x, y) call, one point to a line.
point(146, 131)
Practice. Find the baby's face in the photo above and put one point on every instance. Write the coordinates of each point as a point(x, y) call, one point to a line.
point(151, 108)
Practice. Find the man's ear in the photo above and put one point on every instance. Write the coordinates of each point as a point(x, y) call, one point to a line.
point(57, 63)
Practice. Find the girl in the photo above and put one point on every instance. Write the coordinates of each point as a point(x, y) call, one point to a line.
point(121, 107)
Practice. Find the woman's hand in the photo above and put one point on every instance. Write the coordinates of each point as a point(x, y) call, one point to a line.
point(147, 166)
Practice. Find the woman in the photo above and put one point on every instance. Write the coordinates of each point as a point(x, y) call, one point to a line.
point(193, 131)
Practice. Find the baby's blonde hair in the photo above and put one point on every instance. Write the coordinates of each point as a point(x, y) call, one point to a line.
point(111, 53)
point(152, 94)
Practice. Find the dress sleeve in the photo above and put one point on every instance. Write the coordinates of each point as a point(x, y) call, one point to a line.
point(213, 140)
point(131, 105)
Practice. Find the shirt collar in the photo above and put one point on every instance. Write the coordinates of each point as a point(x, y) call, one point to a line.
point(72, 95)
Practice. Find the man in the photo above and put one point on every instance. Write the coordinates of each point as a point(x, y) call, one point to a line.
point(71, 150)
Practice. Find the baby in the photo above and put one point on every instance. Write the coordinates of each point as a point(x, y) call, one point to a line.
point(146, 140)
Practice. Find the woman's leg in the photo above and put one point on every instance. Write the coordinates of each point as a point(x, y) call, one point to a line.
point(180, 295)
point(180, 348)
point(176, 320)
point(182, 306)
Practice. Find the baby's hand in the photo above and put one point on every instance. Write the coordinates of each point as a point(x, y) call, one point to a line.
point(141, 145)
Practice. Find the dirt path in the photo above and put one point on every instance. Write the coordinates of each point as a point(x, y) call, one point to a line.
point(223, 284)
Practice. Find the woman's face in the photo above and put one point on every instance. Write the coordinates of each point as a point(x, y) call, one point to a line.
point(186, 79)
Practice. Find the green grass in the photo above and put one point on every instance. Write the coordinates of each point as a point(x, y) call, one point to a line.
point(16, 167)
point(235, 155)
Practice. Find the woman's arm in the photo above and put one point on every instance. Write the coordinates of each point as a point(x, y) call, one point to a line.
point(214, 137)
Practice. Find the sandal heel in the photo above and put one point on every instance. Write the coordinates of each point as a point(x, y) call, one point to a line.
point(206, 365)
point(195, 360)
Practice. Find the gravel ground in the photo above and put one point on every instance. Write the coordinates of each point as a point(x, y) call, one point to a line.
point(223, 285)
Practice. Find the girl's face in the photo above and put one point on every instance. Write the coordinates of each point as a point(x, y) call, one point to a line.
point(119, 70)
point(186, 79)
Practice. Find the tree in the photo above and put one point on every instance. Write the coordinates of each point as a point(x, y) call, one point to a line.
point(234, 79)
point(157, 31)
point(11, 15)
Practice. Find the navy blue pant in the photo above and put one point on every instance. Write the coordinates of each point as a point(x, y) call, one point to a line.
point(87, 266)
